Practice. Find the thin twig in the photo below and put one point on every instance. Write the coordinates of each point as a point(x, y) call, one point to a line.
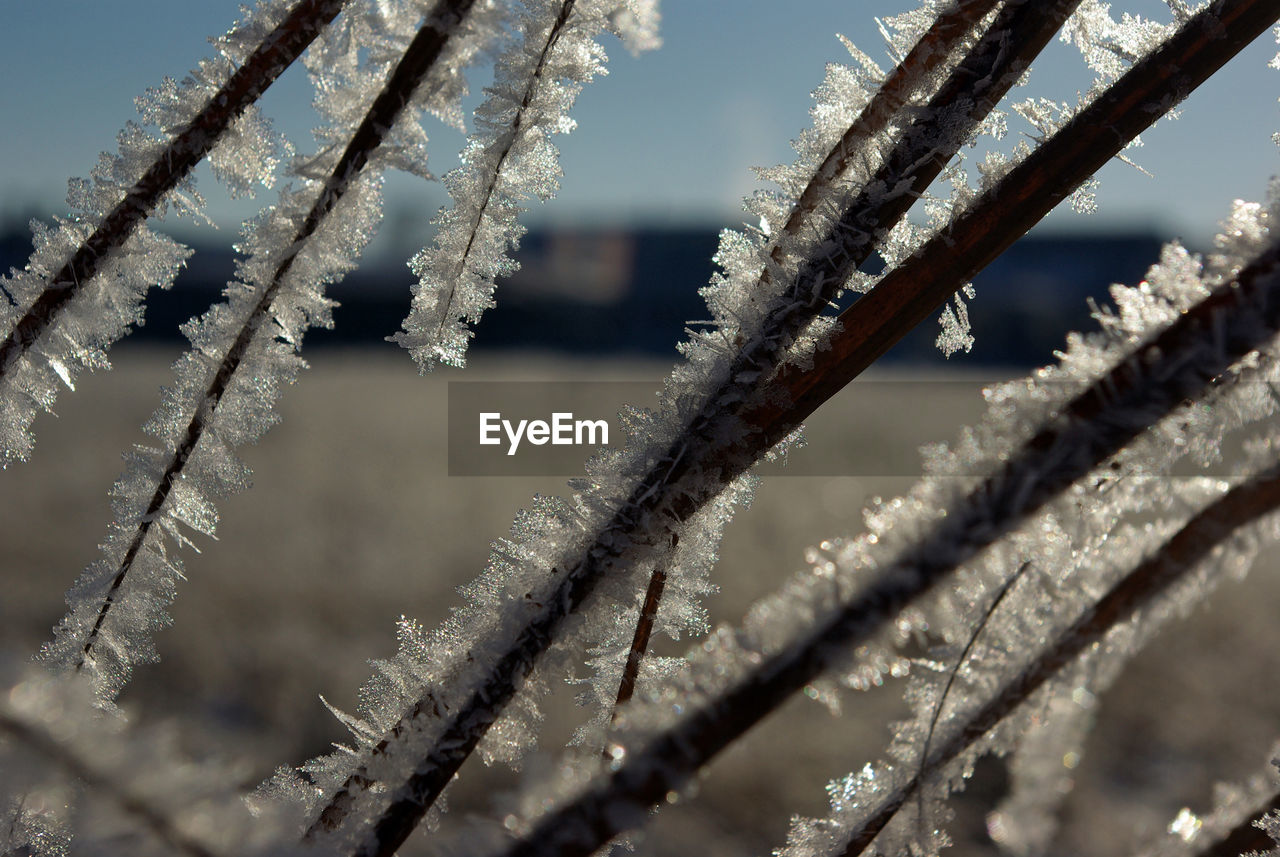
point(418, 59)
point(1177, 366)
point(566, 8)
point(276, 53)
point(955, 672)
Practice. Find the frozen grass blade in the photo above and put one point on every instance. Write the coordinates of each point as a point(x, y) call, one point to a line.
point(1178, 365)
point(276, 53)
point(509, 159)
point(418, 59)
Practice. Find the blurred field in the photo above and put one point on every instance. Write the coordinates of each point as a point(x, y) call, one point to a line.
point(354, 521)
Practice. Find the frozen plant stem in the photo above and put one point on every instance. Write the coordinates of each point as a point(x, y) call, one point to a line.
point(919, 286)
point(1166, 567)
point(418, 59)
point(1017, 35)
point(566, 9)
point(276, 53)
point(1178, 365)
point(947, 32)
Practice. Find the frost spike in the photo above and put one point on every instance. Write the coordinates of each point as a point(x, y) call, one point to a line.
point(276, 53)
point(1178, 365)
point(421, 54)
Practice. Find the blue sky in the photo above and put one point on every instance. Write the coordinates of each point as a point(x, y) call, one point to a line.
point(667, 138)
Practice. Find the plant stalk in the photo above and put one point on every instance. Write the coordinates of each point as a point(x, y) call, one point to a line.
point(1177, 366)
point(1020, 31)
point(276, 53)
point(418, 59)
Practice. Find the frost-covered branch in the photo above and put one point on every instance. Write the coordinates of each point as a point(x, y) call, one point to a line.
point(962, 101)
point(261, 326)
point(1178, 365)
point(119, 204)
point(507, 160)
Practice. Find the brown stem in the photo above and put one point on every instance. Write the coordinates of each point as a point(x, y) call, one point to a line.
point(418, 59)
point(1019, 32)
point(933, 48)
point(276, 53)
point(1177, 366)
point(644, 630)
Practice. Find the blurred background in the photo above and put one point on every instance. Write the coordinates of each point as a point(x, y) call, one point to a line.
point(354, 519)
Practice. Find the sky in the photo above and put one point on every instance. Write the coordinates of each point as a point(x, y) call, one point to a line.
point(668, 138)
